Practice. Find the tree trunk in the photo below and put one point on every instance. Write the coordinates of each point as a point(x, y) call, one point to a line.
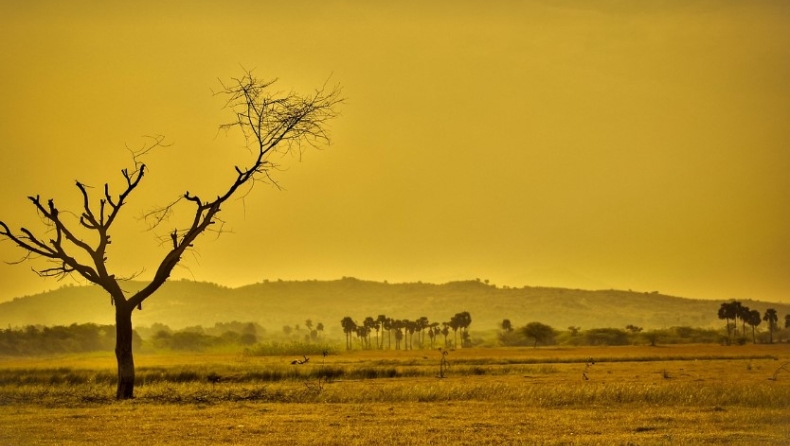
point(123, 352)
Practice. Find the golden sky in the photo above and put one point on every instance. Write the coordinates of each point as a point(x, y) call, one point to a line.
point(586, 144)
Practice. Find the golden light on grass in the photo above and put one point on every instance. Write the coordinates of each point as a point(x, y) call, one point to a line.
point(686, 394)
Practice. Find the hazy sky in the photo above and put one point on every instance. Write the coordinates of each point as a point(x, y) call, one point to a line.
point(589, 144)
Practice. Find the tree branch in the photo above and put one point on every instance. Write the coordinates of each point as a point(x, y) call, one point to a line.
point(271, 123)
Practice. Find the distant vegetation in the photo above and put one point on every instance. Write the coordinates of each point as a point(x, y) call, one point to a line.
point(736, 311)
point(33, 340)
point(82, 338)
point(381, 333)
point(536, 334)
point(403, 331)
point(310, 317)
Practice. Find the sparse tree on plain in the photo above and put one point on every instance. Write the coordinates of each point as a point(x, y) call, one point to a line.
point(78, 242)
point(652, 336)
point(539, 332)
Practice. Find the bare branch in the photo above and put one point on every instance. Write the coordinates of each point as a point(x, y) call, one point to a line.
point(271, 122)
point(64, 243)
point(157, 216)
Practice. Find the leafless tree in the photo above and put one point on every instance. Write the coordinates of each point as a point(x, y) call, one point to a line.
point(271, 122)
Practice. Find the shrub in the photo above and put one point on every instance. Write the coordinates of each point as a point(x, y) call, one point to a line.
point(606, 336)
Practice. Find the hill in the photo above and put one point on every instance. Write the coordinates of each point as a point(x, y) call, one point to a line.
point(273, 304)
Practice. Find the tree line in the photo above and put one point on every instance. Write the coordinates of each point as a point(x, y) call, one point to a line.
point(538, 333)
point(75, 338)
point(314, 332)
point(735, 311)
point(403, 331)
point(82, 338)
point(196, 338)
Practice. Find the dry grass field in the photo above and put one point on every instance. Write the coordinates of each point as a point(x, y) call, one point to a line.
point(676, 395)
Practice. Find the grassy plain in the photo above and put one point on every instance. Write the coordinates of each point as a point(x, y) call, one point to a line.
point(704, 394)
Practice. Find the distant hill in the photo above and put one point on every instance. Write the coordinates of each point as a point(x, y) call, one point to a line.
point(274, 304)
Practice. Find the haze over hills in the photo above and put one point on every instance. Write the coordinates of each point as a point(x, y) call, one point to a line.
point(273, 304)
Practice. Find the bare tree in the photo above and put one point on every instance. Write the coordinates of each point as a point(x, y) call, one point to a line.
point(271, 122)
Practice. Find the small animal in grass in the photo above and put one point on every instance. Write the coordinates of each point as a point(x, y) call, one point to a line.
point(300, 361)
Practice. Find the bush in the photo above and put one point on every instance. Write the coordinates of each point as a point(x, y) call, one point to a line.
point(512, 339)
point(606, 336)
point(75, 338)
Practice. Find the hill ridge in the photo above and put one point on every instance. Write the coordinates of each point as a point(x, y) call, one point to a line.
point(272, 304)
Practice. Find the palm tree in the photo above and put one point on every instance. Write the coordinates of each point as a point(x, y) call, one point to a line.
point(410, 326)
point(728, 311)
point(398, 335)
point(363, 334)
point(398, 325)
point(465, 320)
point(421, 325)
point(743, 315)
point(772, 318)
point(370, 324)
point(735, 314)
point(455, 324)
point(381, 323)
point(754, 321)
point(349, 326)
point(433, 331)
point(388, 326)
point(445, 332)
